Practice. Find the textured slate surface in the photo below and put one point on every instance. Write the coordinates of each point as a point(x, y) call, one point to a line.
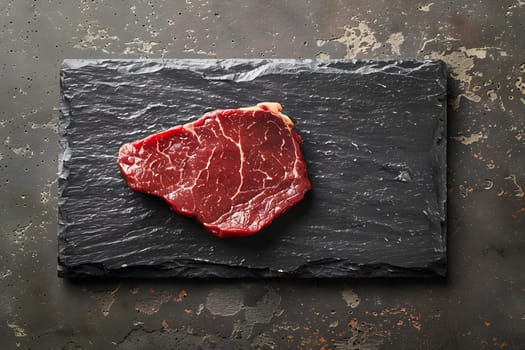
point(374, 137)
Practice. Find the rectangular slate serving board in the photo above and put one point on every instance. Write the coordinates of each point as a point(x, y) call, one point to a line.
point(374, 138)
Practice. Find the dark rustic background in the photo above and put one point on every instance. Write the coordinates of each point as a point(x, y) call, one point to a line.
point(480, 306)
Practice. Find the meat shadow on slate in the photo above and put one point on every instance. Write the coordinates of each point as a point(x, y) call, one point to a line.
point(265, 239)
point(268, 237)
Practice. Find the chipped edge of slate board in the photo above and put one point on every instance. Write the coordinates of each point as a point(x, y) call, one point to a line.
point(188, 268)
point(183, 268)
point(442, 158)
point(64, 155)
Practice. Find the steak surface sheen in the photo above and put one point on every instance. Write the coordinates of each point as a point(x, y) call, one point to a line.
point(233, 170)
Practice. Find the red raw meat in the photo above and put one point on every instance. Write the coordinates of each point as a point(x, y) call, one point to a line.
point(233, 170)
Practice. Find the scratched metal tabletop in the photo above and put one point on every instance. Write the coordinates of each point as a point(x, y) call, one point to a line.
point(480, 306)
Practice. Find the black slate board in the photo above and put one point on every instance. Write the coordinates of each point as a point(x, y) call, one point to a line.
point(374, 137)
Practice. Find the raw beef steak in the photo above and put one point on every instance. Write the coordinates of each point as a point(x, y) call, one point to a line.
point(233, 170)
